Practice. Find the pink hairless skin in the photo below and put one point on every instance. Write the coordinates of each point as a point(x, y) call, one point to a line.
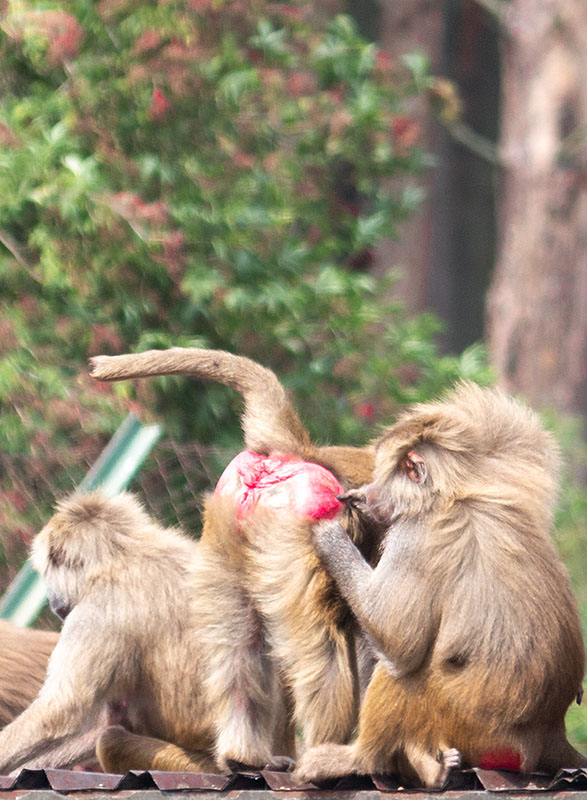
point(280, 483)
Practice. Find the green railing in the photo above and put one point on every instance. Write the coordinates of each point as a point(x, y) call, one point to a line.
point(113, 470)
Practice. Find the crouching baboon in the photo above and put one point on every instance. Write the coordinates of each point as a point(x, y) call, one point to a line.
point(128, 594)
point(469, 608)
point(288, 616)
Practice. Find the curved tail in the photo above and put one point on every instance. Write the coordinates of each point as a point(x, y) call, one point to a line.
point(270, 422)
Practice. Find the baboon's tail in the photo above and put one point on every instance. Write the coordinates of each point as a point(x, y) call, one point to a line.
point(269, 421)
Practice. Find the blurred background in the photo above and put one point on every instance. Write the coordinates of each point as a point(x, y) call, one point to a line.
point(375, 199)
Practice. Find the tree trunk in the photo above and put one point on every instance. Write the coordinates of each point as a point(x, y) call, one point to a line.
point(537, 306)
point(407, 25)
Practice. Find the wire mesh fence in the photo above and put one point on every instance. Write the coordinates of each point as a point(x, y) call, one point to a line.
point(171, 485)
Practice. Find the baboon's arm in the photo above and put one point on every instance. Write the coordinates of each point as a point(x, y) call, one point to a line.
point(76, 751)
point(391, 602)
point(71, 698)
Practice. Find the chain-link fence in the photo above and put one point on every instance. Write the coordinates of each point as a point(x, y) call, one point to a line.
point(171, 485)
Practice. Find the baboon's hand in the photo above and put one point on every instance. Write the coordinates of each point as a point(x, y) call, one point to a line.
point(359, 503)
point(356, 500)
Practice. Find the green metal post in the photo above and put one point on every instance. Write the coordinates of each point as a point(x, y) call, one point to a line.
point(112, 471)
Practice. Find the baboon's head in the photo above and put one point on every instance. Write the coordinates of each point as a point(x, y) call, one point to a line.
point(87, 538)
point(476, 442)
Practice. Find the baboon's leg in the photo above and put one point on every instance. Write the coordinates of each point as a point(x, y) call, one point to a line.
point(395, 715)
point(326, 761)
point(285, 733)
point(558, 753)
point(242, 686)
point(119, 751)
point(244, 694)
point(325, 687)
point(308, 627)
point(432, 769)
point(389, 718)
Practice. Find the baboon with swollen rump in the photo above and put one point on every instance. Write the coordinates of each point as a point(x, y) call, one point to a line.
point(257, 531)
point(469, 607)
point(128, 592)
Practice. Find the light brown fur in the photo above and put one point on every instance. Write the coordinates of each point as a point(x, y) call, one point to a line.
point(469, 607)
point(24, 654)
point(287, 617)
point(269, 421)
point(132, 634)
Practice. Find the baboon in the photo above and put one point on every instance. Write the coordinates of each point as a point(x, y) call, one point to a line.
point(469, 607)
point(128, 592)
point(24, 654)
point(257, 531)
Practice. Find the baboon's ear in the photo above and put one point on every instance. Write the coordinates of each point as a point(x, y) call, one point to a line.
point(414, 467)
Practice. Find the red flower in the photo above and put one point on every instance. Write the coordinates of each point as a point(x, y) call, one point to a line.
point(66, 35)
point(384, 63)
point(364, 411)
point(201, 6)
point(406, 132)
point(293, 12)
point(243, 160)
point(160, 105)
point(150, 40)
point(300, 84)
point(362, 261)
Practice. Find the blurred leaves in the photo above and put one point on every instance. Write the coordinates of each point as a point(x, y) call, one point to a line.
point(207, 172)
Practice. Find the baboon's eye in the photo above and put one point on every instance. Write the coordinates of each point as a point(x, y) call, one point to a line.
point(414, 467)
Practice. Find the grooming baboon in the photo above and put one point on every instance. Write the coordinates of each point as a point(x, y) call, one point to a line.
point(257, 530)
point(469, 607)
point(129, 594)
point(24, 654)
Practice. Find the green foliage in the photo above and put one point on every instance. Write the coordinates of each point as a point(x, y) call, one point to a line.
point(202, 173)
point(214, 173)
point(571, 535)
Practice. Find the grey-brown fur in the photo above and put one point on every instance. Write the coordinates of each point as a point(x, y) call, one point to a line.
point(24, 654)
point(470, 608)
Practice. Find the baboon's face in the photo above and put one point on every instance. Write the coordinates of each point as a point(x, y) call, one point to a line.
point(61, 567)
point(59, 605)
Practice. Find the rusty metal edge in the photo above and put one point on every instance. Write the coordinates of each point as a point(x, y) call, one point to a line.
point(487, 781)
point(266, 794)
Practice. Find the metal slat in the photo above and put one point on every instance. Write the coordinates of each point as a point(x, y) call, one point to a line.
point(112, 471)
